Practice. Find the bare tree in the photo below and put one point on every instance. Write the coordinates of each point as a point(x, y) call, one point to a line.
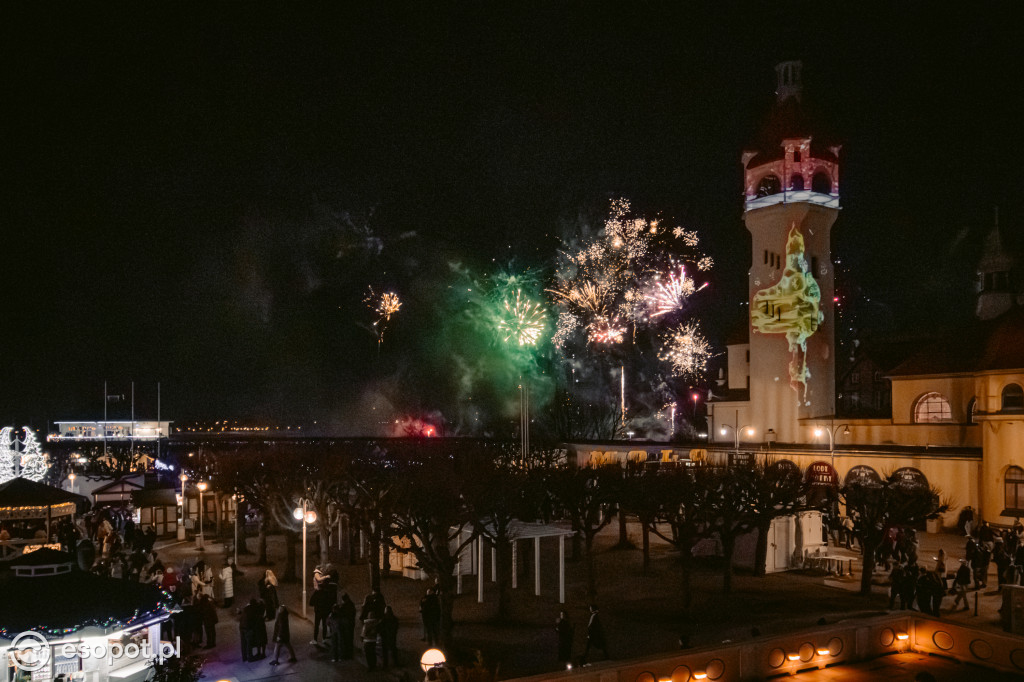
point(876, 506)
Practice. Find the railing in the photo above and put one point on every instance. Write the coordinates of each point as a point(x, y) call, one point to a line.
point(822, 647)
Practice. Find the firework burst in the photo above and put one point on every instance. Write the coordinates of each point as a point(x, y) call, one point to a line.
point(686, 350)
point(668, 295)
point(521, 319)
point(605, 330)
point(384, 307)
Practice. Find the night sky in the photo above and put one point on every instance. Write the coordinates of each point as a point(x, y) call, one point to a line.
point(200, 195)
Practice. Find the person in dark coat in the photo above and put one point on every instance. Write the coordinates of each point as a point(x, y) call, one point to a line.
point(596, 638)
point(373, 604)
point(565, 630)
point(282, 636)
point(323, 600)
point(960, 583)
point(254, 631)
point(268, 593)
point(347, 625)
point(388, 637)
point(430, 610)
point(208, 616)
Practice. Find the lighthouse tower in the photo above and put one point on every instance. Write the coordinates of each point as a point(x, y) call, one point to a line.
point(791, 200)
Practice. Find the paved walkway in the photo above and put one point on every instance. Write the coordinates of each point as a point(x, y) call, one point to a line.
point(641, 611)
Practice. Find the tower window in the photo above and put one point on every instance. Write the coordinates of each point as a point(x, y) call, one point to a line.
point(766, 256)
point(797, 183)
point(814, 265)
point(1013, 398)
point(796, 156)
point(769, 185)
point(932, 407)
point(972, 407)
point(1014, 481)
point(821, 183)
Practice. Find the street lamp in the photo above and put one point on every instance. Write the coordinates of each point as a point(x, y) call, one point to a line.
point(307, 516)
point(71, 479)
point(236, 499)
point(184, 501)
point(748, 430)
point(202, 485)
point(819, 430)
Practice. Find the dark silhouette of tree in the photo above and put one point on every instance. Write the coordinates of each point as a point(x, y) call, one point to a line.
point(431, 514)
point(639, 497)
point(368, 495)
point(876, 506)
point(680, 508)
point(588, 496)
point(774, 490)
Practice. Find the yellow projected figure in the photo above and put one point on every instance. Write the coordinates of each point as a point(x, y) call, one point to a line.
point(791, 307)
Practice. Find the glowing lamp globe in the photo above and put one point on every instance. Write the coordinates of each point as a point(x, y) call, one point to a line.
point(817, 432)
point(311, 517)
point(431, 658)
point(297, 513)
point(202, 486)
point(722, 431)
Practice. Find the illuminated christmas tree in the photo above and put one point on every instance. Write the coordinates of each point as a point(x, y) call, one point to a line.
point(8, 470)
point(33, 461)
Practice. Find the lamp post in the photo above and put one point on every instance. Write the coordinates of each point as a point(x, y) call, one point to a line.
point(307, 516)
point(184, 501)
point(237, 499)
point(71, 479)
point(748, 429)
point(201, 541)
point(832, 433)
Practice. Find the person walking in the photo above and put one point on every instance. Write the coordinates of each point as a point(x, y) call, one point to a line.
point(960, 583)
point(596, 637)
point(388, 637)
point(369, 637)
point(282, 636)
point(565, 630)
point(227, 579)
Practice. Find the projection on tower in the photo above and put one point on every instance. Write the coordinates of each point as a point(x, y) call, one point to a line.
point(791, 307)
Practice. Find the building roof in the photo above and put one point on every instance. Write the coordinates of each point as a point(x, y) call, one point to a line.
point(21, 492)
point(983, 346)
point(67, 602)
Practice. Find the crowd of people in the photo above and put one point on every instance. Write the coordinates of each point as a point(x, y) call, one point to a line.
point(925, 588)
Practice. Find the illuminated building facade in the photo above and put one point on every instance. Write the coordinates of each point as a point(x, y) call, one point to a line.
point(957, 405)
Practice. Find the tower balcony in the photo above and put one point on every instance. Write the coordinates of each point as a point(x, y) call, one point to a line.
point(790, 197)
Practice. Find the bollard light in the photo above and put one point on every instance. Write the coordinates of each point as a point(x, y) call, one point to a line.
point(431, 658)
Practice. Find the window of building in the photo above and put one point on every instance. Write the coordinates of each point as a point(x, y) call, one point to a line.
point(748, 356)
point(1013, 398)
point(971, 407)
point(797, 183)
point(855, 377)
point(814, 265)
point(821, 183)
point(796, 159)
point(932, 407)
point(766, 256)
point(1014, 482)
point(770, 184)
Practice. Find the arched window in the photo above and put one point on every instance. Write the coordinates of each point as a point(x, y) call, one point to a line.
point(971, 407)
point(932, 407)
point(821, 183)
point(769, 185)
point(797, 183)
point(1013, 398)
point(1014, 481)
